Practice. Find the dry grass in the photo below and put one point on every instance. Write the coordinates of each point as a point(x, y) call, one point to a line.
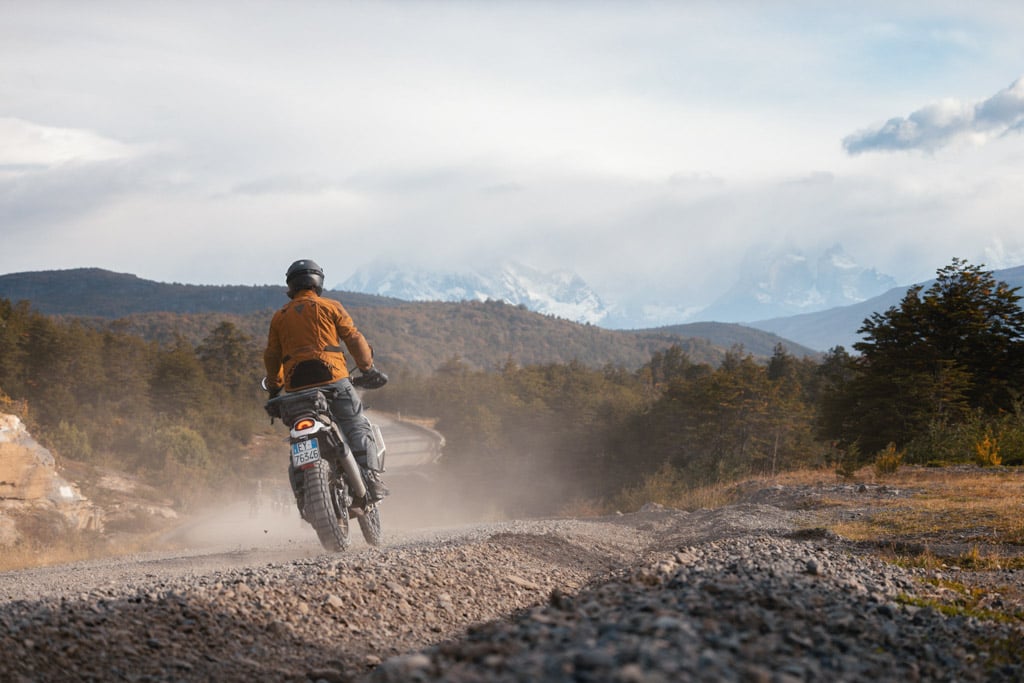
point(972, 505)
point(583, 507)
point(25, 555)
point(72, 548)
point(669, 487)
point(46, 539)
point(968, 516)
point(965, 516)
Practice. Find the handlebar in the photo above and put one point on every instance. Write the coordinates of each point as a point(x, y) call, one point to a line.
point(361, 382)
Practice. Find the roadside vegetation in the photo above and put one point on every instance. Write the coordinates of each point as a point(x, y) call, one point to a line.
point(966, 516)
point(935, 382)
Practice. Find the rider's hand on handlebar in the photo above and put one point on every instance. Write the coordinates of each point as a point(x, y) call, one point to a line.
point(265, 385)
point(371, 378)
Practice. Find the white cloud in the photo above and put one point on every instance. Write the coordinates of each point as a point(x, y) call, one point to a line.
point(999, 255)
point(645, 145)
point(937, 125)
point(27, 144)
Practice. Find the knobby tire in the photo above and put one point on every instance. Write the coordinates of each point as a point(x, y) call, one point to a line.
point(369, 524)
point(331, 525)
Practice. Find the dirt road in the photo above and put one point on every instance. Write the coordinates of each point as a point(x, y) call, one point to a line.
point(743, 593)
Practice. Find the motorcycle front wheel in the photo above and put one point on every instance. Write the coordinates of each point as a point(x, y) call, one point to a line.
point(330, 523)
point(369, 524)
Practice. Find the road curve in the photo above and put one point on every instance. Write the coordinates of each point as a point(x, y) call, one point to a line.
point(409, 445)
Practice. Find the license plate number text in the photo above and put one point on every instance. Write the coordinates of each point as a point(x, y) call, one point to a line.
point(305, 452)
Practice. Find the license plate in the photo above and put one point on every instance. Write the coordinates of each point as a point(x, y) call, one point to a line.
point(305, 452)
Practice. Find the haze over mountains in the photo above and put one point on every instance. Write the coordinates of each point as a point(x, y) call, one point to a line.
point(823, 330)
point(774, 283)
point(790, 283)
point(417, 336)
point(815, 300)
point(560, 293)
point(818, 301)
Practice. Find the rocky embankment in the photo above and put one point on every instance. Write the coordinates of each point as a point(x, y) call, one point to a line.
point(736, 594)
point(31, 486)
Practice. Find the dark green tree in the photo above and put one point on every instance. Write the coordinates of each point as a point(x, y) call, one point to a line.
point(178, 387)
point(13, 344)
point(737, 419)
point(832, 389)
point(956, 347)
point(671, 364)
point(228, 356)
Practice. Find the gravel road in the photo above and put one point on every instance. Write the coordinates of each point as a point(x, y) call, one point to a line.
point(744, 593)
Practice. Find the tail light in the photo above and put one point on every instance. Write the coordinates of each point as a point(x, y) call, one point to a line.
point(304, 423)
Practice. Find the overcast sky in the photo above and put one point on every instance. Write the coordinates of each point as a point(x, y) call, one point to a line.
point(648, 146)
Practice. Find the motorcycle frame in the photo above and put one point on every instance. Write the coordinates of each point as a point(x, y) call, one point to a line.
point(314, 404)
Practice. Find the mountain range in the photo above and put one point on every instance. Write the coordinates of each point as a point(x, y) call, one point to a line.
point(417, 336)
point(817, 301)
point(781, 283)
point(560, 293)
point(101, 293)
point(823, 330)
point(773, 283)
point(97, 293)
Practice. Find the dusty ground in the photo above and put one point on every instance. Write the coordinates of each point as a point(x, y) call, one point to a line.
point(758, 590)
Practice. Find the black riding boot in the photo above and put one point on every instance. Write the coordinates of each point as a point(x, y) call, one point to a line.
point(375, 488)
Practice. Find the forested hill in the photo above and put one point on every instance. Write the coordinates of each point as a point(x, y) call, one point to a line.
point(417, 336)
point(730, 335)
point(93, 292)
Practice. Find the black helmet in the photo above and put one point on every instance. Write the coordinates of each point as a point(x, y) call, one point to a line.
point(304, 274)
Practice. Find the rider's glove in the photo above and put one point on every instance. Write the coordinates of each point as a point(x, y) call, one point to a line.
point(273, 409)
point(372, 378)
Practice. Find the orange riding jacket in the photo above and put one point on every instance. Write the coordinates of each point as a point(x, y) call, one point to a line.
point(304, 344)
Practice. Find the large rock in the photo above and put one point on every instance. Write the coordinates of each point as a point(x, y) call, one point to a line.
point(29, 482)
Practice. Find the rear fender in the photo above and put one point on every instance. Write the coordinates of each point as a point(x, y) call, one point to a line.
point(301, 431)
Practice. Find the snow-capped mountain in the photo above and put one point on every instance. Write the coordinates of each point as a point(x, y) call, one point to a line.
point(559, 293)
point(776, 284)
point(772, 285)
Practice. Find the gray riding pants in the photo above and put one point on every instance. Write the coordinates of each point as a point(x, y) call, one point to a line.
point(347, 409)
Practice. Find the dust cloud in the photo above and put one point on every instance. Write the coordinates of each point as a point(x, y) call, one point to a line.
point(424, 498)
point(266, 518)
point(509, 487)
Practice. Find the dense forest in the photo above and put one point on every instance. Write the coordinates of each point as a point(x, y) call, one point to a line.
point(936, 380)
point(414, 337)
point(418, 337)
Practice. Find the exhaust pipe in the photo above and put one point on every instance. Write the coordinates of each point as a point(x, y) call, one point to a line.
point(353, 475)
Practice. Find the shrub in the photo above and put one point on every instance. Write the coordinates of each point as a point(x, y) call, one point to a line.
point(888, 460)
point(848, 461)
point(672, 487)
point(941, 443)
point(663, 487)
point(70, 441)
point(180, 445)
point(986, 452)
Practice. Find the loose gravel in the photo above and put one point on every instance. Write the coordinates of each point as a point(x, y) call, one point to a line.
point(737, 594)
point(757, 608)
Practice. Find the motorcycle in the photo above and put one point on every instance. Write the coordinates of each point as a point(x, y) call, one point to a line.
point(326, 479)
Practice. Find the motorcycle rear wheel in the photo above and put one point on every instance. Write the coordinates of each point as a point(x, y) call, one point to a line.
point(369, 524)
point(331, 524)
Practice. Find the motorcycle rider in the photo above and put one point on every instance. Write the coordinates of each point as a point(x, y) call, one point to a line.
point(304, 350)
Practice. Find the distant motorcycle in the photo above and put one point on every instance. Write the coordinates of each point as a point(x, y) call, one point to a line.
point(325, 478)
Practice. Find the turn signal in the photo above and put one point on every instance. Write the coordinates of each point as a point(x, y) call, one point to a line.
point(304, 423)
